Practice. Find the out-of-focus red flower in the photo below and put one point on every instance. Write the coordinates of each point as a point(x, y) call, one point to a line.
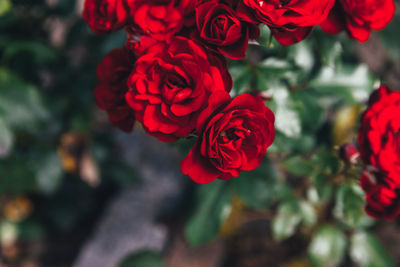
point(358, 18)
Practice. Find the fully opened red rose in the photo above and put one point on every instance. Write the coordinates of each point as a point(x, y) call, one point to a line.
point(358, 18)
point(171, 84)
point(113, 73)
point(379, 133)
point(219, 26)
point(104, 16)
point(291, 20)
point(234, 137)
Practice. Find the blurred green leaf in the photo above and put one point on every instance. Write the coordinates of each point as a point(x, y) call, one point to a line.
point(286, 221)
point(212, 209)
point(49, 173)
point(21, 104)
point(327, 247)
point(311, 113)
point(16, 175)
point(142, 259)
point(259, 187)
point(307, 212)
point(287, 119)
point(366, 251)
point(298, 166)
point(6, 139)
point(242, 76)
point(352, 83)
point(350, 206)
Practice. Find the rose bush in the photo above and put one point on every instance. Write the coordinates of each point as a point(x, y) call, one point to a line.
point(234, 137)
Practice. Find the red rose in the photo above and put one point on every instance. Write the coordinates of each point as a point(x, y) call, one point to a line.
point(291, 20)
point(379, 133)
point(171, 84)
point(104, 16)
point(160, 19)
point(358, 18)
point(219, 26)
point(112, 73)
point(383, 201)
point(234, 137)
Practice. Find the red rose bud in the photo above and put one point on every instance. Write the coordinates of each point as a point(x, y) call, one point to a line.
point(233, 136)
point(220, 27)
point(170, 85)
point(290, 21)
point(349, 153)
point(358, 18)
point(112, 73)
point(379, 132)
point(104, 16)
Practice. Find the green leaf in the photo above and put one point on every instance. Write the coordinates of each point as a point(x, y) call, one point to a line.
point(142, 259)
point(350, 206)
point(16, 175)
point(259, 187)
point(354, 84)
point(298, 166)
point(21, 104)
point(286, 221)
point(308, 213)
point(242, 76)
point(326, 160)
point(6, 139)
point(212, 209)
point(366, 251)
point(287, 119)
point(327, 247)
point(49, 173)
point(310, 111)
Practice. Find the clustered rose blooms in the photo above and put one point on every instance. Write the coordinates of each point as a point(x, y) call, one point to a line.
point(379, 142)
point(172, 76)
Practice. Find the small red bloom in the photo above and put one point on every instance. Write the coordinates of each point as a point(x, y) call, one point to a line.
point(233, 136)
point(112, 74)
point(358, 18)
point(220, 27)
point(104, 16)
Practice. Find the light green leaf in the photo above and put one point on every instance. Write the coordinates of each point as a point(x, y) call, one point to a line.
point(350, 206)
point(213, 207)
point(286, 221)
point(327, 247)
point(366, 251)
point(49, 173)
point(6, 139)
